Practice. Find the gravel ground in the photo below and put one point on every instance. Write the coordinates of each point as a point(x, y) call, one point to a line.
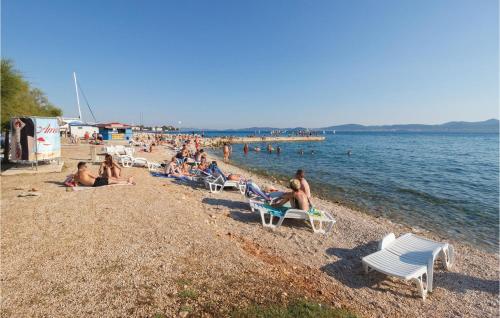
point(171, 248)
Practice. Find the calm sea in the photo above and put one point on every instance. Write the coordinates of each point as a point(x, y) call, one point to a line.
point(448, 183)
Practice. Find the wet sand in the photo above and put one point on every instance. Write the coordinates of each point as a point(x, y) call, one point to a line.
point(168, 247)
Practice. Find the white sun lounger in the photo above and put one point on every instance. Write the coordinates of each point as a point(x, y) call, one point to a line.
point(409, 257)
point(322, 224)
point(129, 161)
point(218, 184)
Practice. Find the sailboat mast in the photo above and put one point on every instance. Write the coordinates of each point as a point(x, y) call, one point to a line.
point(77, 97)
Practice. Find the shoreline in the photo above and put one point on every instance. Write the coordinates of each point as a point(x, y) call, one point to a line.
point(275, 181)
point(164, 246)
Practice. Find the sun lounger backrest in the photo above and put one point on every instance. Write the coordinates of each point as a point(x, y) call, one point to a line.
point(218, 172)
point(254, 188)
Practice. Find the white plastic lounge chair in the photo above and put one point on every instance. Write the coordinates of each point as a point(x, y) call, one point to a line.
point(218, 184)
point(155, 167)
point(128, 161)
point(321, 223)
point(409, 257)
point(256, 196)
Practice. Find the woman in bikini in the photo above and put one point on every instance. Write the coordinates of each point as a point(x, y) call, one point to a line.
point(109, 168)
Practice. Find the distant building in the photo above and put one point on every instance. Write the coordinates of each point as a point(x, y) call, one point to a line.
point(115, 131)
point(78, 129)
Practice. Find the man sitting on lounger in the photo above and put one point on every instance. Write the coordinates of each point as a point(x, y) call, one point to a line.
point(304, 185)
point(298, 199)
point(84, 177)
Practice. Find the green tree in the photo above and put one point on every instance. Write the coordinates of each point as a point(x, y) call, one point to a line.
point(18, 98)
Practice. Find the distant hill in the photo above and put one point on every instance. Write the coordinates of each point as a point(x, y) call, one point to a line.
point(487, 126)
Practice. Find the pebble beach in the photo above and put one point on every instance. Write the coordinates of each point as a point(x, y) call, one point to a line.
point(172, 248)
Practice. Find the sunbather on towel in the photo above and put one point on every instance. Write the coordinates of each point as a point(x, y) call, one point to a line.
point(109, 168)
point(84, 177)
point(298, 199)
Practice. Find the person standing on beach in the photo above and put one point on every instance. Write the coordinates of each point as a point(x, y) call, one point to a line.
point(245, 149)
point(226, 152)
point(304, 185)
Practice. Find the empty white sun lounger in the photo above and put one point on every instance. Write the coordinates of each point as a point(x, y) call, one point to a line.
point(128, 161)
point(409, 257)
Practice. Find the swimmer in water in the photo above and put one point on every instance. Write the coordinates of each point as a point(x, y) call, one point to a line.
point(256, 149)
point(278, 150)
point(312, 152)
point(349, 152)
point(301, 151)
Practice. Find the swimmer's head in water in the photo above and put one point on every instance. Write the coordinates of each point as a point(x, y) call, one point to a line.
point(295, 184)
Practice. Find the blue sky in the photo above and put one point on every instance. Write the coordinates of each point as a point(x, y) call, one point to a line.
point(233, 64)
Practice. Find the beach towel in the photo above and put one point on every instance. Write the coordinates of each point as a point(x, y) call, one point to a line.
point(162, 175)
point(277, 211)
point(80, 188)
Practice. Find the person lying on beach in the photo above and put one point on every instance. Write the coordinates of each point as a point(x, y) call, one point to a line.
point(84, 177)
point(297, 198)
point(109, 168)
point(304, 185)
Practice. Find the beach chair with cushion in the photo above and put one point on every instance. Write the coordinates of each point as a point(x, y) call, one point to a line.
point(321, 222)
point(409, 257)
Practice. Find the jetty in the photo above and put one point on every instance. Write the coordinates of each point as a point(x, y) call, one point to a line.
point(219, 141)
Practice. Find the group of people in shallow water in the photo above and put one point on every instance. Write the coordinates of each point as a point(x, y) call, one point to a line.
point(269, 149)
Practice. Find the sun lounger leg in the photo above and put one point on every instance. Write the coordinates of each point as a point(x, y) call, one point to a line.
point(320, 226)
point(215, 188)
point(366, 268)
point(420, 285)
point(447, 256)
point(242, 188)
point(264, 223)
